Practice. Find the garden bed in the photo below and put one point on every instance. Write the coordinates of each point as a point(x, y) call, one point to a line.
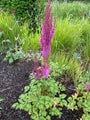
point(13, 78)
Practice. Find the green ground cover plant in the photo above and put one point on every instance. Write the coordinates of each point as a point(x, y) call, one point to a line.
point(82, 97)
point(11, 56)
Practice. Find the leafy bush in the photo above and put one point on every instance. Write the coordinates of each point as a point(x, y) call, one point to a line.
point(25, 10)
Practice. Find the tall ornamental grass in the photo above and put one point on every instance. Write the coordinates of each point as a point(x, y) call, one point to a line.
point(70, 35)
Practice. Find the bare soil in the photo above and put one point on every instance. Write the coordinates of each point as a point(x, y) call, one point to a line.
point(13, 78)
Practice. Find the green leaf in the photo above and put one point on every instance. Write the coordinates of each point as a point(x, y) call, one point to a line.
point(63, 103)
point(47, 105)
point(1, 99)
point(48, 118)
point(62, 96)
point(11, 60)
point(5, 59)
point(62, 88)
point(44, 113)
point(15, 104)
point(26, 88)
point(57, 99)
point(42, 118)
point(33, 116)
point(20, 101)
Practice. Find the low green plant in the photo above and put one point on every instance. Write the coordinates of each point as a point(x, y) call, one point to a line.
point(43, 98)
point(4, 45)
point(11, 56)
point(81, 98)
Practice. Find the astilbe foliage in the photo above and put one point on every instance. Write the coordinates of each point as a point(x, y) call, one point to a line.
point(45, 42)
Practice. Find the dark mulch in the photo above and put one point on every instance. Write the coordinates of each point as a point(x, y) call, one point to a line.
point(13, 78)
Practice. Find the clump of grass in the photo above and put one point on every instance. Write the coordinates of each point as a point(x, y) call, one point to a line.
point(9, 27)
point(29, 40)
point(71, 66)
point(70, 35)
point(73, 9)
point(67, 35)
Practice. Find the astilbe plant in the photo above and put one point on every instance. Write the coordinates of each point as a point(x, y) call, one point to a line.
point(47, 32)
point(40, 99)
point(45, 41)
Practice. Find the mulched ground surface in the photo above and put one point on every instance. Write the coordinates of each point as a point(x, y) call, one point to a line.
point(13, 78)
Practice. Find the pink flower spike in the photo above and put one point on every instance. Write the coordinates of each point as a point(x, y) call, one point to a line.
point(12, 12)
point(35, 21)
point(25, 21)
point(30, 7)
point(36, 71)
point(45, 71)
point(86, 86)
point(40, 16)
point(83, 14)
point(35, 2)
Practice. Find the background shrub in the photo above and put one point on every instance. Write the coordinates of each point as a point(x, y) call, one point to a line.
point(25, 10)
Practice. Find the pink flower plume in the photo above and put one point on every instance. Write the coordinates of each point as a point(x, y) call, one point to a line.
point(87, 87)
